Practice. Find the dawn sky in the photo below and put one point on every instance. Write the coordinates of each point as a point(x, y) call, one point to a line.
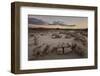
point(79, 21)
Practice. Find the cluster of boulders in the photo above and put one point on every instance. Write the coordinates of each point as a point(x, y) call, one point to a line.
point(44, 49)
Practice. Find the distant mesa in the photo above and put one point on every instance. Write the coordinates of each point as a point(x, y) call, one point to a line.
point(36, 21)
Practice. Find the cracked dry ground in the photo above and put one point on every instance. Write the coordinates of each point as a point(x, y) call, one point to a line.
point(57, 44)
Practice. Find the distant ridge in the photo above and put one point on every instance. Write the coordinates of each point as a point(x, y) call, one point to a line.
point(53, 26)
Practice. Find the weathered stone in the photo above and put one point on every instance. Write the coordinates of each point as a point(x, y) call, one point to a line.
point(67, 50)
point(59, 50)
